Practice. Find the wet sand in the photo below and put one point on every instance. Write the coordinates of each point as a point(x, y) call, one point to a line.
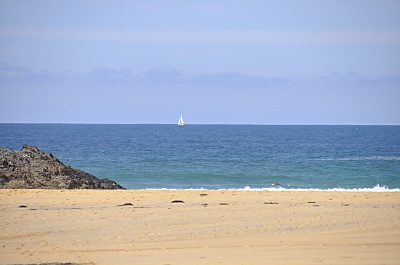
point(199, 227)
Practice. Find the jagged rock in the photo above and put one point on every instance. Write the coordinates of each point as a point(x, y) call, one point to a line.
point(31, 168)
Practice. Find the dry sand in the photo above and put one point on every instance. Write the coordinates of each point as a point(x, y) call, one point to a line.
point(210, 227)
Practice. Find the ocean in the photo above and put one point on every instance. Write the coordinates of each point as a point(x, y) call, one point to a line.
point(365, 158)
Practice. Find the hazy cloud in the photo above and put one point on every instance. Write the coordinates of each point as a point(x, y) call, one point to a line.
point(165, 73)
point(18, 73)
point(168, 75)
point(212, 36)
point(109, 75)
point(235, 79)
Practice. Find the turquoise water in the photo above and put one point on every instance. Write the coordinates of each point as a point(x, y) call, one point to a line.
point(222, 156)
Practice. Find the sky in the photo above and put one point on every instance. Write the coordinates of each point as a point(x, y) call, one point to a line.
point(213, 61)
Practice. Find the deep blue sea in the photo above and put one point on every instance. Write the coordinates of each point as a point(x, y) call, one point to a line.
point(222, 156)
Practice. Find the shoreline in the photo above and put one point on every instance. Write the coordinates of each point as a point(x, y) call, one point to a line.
point(199, 227)
point(376, 188)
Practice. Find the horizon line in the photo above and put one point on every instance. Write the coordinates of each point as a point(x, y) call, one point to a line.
point(189, 124)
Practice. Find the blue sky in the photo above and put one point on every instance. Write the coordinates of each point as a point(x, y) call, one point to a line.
point(215, 62)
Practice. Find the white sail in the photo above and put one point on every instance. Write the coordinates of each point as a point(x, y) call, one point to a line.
point(180, 121)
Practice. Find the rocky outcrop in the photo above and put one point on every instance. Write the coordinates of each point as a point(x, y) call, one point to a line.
point(31, 168)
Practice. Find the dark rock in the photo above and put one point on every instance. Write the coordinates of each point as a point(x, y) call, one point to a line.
point(126, 204)
point(177, 201)
point(31, 168)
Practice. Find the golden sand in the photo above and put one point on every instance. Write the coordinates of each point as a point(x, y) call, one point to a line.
point(209, 227)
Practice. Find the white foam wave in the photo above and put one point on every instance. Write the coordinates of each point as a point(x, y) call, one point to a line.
point(374, 158)
point(376, 188)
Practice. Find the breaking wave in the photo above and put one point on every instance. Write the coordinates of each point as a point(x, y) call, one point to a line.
point(373, 158)
point(376, 188)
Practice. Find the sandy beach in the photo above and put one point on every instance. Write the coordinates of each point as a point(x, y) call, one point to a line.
point(199, 227)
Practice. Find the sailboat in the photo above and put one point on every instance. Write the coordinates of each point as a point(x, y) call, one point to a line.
point(180, 121)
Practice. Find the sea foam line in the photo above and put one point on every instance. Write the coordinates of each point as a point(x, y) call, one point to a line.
point(376, 188)
point(374, 158)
